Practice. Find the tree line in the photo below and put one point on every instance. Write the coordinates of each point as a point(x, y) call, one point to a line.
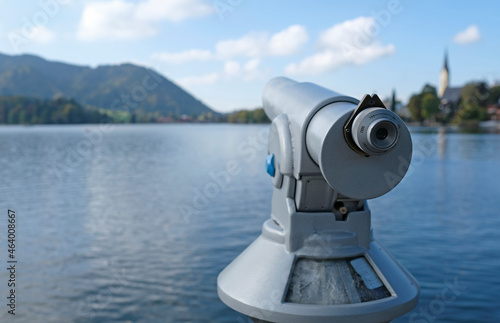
point(28, 110)
point(248, 116)
point(25, 110)
point(471, 106)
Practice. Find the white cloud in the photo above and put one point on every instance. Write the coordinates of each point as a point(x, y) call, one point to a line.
point(173, 10)
point(288, 41)
point(246, 72)
point(232, 71)
point(253, 45)
point(232, 68)
point(118, 19)
point(250, 45)
point(115, 19)
point(349, 32)
point(252, 71)
point(252, 65)
point(205, 79)
point(469, 35)
point(37, 34)
point(352, 42)
point(43, 35)
point(181, 57)
point(283, 43)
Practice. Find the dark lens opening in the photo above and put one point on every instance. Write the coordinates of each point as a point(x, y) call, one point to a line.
point(382, 133)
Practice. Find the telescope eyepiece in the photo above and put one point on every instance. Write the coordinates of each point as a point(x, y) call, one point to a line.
point(375, 131)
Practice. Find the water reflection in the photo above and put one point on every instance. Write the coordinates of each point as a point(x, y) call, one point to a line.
point(442, 142)
point(106, 241)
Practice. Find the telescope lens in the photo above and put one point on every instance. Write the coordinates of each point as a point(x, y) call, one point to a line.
point(375, 131)
point(382, 133)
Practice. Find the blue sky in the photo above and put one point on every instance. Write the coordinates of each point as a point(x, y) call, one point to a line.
point(224, 51)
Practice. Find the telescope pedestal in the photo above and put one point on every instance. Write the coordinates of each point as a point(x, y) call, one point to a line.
point(262, 283)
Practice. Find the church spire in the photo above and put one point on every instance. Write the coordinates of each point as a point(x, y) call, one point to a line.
point(445, 67)
point(444, 79)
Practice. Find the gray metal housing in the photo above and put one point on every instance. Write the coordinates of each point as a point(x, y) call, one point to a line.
point(318, 212)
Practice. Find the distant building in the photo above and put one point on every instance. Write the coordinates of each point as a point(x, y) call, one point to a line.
point(444, 79)
point(493, 111)
point(449, 96)
point(405, 113)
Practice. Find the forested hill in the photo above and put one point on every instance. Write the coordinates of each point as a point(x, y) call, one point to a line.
point(125, 87)
point(24, 110)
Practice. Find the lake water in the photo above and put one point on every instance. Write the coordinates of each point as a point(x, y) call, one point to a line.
point(128, 223)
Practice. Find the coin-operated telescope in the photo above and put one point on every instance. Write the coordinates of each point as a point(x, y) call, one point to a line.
point(317, 260)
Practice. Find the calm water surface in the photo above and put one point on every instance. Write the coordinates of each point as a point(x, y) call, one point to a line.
point(134, 223)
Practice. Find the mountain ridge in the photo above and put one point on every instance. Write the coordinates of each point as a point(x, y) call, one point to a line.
point(123, 87)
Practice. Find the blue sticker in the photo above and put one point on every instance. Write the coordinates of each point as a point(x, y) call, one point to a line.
point(270, 165)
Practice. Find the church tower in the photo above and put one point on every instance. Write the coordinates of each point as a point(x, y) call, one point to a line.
point(444, 80)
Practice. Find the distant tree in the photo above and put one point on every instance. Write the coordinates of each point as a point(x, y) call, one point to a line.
point(472, 112)
point(241, 116)
point(475, 96)
point(22, 117)
point(259, 116)
point(22, 110)
point(247, 116)
point(424, 105)
point(429, 89)
point(393, 101)
point(475, 93)
point(71, 113)
point(430, 105)
point(415, 106)
point(494, 96)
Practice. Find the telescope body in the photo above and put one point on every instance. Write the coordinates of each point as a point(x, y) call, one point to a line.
point(316, 259)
